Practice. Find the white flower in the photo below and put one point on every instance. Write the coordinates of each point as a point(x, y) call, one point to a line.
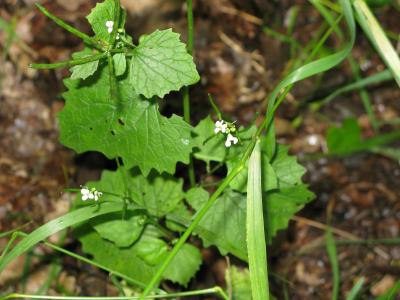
point(85, 193)
point(220, 126)
point(110, 25)
point(97, 195)
point(90, 194)
point(229, 139)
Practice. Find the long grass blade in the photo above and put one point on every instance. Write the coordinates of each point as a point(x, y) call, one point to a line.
point(378, 38)
point(256, 246)
point(57, 225)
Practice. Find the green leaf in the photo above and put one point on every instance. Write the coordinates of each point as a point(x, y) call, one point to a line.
point(119, 63)
point(160, 64)
point(122, 232)
point(83, 71)
point(197, 197)
point(288, 171)
point(184, 265)
point(160, 194)
point(152, 250)
point(347, 140)
point(281, 205)
point(130, 127)
point(224, 225)
point(210, 147)
point(124, 260)
point(180, 212)
point(103, 12)
point(239, 282)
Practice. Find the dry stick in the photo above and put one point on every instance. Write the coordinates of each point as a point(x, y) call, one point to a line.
point(321, 240)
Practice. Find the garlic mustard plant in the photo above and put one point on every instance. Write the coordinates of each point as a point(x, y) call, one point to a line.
point(112, 106)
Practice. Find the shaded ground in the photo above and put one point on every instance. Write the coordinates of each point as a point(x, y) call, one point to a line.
point(239, 64)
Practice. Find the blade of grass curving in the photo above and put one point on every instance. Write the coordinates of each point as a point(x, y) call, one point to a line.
point(364, 82)
point(318, 66)
point(55, 226)
point(256, 246)
point(303, 72)
point(378, 38)
point(333, 259)
point(355, 290)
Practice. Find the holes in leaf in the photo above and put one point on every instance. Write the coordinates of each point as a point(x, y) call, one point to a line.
point(121, 122)
point(90, 128)
point(112, 132)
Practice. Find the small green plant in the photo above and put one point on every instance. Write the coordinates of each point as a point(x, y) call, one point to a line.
point(136, 222)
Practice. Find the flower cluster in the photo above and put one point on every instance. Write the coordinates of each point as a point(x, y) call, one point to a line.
point(229, 129)
point(90, 193)
point(110, 25)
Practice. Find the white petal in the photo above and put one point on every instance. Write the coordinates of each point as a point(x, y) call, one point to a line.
point(84, 191)
point(223, 129)
point(91, 196)
point(96, 198)
point(109, 24)
point(218, 123)
point(84, 197)
point(217, 129)
point(227, 143)
point(229, 137)
point(109, 29)
point(235, 140)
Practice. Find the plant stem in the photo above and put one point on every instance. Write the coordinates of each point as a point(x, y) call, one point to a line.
point(87, 39)
point(86, 260)
point(214, 290)
point(199, 215)
point(186, 96)
point(69, 63)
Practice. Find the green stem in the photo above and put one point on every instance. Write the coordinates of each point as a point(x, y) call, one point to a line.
point(69, 63)
point(113, 35)
point(186, 96)
point(112, 81)
point(272, 106)
point(87, 39)
point(86, 260)
point(199, 215)
point(214, 290)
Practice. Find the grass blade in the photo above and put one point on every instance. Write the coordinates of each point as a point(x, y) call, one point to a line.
point(377, 36)
point(391, 293)
point(355, 289)
point(57, 225)
point(333, 259)
point(256, 247)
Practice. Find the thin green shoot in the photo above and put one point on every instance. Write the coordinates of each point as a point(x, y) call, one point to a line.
point(215, 290)
point(356, 289)
point(186, 91)
point(87, 39)
point(333, 259)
